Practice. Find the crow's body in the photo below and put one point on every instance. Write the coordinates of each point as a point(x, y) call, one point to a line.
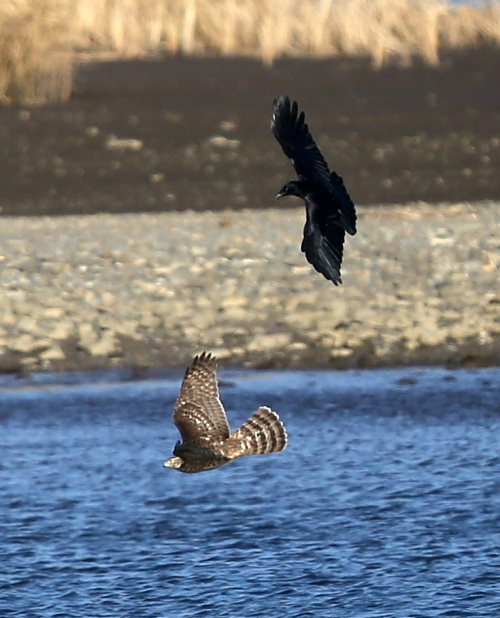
point(330, 212)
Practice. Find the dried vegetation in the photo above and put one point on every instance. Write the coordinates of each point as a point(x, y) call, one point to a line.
point(36, 50)
point(38, 38)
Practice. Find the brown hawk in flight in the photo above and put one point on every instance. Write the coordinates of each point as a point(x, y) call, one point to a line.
point(200, 417)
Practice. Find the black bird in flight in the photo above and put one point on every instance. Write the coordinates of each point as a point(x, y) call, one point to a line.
point(330, 212)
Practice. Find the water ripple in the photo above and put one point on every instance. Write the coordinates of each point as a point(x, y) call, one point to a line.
point(386, 502)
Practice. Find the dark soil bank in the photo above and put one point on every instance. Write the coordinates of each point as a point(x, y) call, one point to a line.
point(395, 135)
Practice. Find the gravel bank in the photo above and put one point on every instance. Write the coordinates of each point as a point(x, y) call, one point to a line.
point(420, 286)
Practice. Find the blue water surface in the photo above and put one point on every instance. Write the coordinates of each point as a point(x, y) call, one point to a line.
point(385, 503)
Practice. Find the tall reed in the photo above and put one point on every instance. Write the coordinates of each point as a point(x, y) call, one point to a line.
point(36, 50)
point(37, 37)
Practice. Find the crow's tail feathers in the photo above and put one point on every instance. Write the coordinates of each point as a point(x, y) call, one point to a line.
point(346, 205)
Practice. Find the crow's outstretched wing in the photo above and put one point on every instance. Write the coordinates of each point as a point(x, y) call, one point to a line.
point(323, 242)
point(291, 131)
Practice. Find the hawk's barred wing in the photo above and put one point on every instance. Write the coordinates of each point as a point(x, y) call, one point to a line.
point(195, 425)
point(200, 389)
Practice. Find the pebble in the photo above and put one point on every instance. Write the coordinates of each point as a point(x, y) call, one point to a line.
point(154, 289)
point(128, 143)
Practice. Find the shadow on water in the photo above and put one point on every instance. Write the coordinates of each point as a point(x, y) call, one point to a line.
point(385, 503)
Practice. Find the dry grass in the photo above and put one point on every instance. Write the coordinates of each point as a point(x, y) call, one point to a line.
point(36, 51)
point(38, 36)
point(385, 30)
point(468, 26)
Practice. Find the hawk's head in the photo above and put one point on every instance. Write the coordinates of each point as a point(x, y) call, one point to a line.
point(173, 462)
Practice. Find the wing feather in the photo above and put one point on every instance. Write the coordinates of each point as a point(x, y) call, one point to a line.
point(323, 242)
point(199, 389)
point(291, 131)
point(195, 425)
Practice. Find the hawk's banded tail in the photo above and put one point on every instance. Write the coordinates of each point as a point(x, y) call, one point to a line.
point(262, 433)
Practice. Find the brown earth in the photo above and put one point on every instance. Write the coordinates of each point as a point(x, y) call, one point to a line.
point(395, 135)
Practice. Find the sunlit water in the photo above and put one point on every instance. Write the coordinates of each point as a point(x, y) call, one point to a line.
point(385, 503)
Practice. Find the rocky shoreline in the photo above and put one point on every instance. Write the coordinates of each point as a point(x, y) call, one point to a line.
point(150, 290)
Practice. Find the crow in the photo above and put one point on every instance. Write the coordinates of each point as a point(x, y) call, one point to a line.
point(330, 212)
